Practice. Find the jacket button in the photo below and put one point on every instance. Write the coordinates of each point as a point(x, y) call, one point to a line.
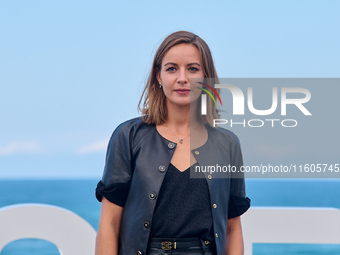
point(171, 146)
point(146, 224)
point(152, 195)
point(209, 177)
point(161, 168)
point(215, 205)
point(216, 235)
point(139, 253)
point(197, 152)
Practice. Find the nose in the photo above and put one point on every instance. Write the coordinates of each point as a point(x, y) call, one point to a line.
point(182, 77)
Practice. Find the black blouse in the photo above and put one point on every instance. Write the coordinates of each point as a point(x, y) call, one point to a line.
point(136, 161)
point(183, 207)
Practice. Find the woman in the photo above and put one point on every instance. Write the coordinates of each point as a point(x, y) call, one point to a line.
point(150, 205)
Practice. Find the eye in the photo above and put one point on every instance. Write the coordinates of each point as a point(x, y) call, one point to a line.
point(171, 69)
point(193, 69)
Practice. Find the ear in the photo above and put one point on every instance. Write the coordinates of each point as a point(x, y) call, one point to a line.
point(158, 74)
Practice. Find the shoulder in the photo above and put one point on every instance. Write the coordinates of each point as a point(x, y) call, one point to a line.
point(129, 129)
point(222, 135)
point(130, 124)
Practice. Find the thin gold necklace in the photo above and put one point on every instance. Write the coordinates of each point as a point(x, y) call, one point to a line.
point(180, 140)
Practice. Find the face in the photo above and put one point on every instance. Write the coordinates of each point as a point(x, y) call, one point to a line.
point(181, 63)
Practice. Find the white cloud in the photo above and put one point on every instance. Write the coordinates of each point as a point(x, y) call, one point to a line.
point(99, 146)
point(23, 147)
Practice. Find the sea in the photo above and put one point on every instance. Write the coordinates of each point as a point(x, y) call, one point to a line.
point(79, 197)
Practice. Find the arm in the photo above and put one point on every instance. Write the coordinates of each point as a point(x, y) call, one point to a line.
point(234, 239)
point(238, 204)
point(109, 226)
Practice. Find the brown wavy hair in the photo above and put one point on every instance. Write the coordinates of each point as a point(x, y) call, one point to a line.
point(154, 109)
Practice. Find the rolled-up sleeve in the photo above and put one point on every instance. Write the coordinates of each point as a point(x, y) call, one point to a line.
point(115, 183)
point(238, 202)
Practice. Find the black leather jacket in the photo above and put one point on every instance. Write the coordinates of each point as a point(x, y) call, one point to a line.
point(136, 162)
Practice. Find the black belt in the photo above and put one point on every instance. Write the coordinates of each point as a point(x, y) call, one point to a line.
point(167, 244)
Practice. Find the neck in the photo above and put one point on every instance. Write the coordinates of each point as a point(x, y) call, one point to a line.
point(180, 118)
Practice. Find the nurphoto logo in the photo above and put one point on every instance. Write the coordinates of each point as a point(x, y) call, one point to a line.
point(238, 106)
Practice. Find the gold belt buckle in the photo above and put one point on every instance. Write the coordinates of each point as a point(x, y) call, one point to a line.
point(166, 246)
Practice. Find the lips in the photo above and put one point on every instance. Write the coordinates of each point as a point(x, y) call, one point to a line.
point(182, 91)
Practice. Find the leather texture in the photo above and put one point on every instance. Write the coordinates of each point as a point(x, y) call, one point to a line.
point(137, 160)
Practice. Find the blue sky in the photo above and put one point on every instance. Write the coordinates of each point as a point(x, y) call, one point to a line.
point(71, 71)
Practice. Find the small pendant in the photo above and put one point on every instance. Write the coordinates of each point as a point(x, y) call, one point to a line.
point(181, 140)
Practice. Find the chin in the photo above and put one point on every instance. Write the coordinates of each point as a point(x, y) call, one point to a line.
point(180, 103)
